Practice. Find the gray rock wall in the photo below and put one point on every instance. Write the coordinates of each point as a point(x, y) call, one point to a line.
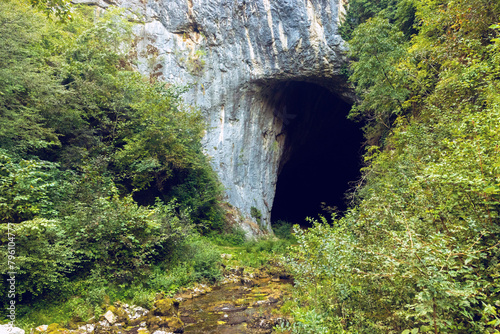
point(235, 55)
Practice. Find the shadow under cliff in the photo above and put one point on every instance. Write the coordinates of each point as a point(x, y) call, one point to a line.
point(322, 153)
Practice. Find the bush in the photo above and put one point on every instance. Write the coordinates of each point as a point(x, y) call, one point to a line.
point(120, 237)
point(43, 259)
point(255, 213)
point(204, 259)
point(234, 237)
point(77, 123)
point(29, 188)
point(200, 191)
point(283, 230)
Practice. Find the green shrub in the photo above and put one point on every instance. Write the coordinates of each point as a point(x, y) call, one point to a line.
point(43, 259)
point(121, 237)
point(204, 259)
point(77, 123)
point(200, 191)
point(29, 188)
point(266, 245)
point(257, 253)
point(283, 230)
point(234, 237)
point(255, 213)
point(195, 259)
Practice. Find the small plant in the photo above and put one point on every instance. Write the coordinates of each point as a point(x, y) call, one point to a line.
point(195, 62)
point(255, 213)
point(276, 146)
point(260, 253)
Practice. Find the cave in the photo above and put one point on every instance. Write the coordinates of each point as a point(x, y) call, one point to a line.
point(322, 153)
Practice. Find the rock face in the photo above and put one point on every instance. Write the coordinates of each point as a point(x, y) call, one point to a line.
point(237, 56)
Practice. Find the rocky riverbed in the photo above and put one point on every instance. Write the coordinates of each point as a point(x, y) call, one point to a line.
point(245, 306)
point(241, 303)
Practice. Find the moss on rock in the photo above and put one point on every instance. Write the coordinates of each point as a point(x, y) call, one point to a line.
point(172, 323)
point(56, 329)
point(166, 307)
point(120, 313)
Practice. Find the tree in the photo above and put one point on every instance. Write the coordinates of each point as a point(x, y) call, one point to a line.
point(60, 8)
point(377, 48)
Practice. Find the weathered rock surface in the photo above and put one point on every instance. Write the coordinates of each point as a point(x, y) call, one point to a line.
point(8, 329)
point(237, 57)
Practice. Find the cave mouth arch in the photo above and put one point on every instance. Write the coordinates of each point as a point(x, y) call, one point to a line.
point(321, 154)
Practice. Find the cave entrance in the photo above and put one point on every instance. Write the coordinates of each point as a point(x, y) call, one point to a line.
point(322, 153)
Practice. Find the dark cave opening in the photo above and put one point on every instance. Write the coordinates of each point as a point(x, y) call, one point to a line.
point(322, 154)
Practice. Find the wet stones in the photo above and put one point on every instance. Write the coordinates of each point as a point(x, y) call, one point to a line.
point(241, 303)
point(165, 315)
point(196, 291)
point(247, 282)
point(124, 319)
point(166, 307)
point(228, 307)
point(264, 323)
point(172, 324)
point(87, 328)
point(110, 317)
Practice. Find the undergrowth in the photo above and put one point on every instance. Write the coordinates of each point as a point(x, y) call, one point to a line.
point(197, 260)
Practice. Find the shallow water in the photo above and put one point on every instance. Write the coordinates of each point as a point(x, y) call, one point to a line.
point(235, 308)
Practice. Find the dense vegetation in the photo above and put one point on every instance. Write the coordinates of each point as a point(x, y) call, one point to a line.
point(419, 251)
point(102, 178)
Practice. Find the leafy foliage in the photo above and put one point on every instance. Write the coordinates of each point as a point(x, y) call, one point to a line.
point(378, 47)
point(60, 8)
point(82, 138)
point(26, 84)
point(401, 13)
point(419, 251)
point(283, 230)
point(29, 188)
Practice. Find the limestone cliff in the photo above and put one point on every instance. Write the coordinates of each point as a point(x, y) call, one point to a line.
point(237, 56)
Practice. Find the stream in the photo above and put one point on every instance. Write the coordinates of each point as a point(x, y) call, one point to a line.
point(241, 306)
point(241, 303)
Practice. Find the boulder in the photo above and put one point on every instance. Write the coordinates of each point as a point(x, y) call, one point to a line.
point(8, 329)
